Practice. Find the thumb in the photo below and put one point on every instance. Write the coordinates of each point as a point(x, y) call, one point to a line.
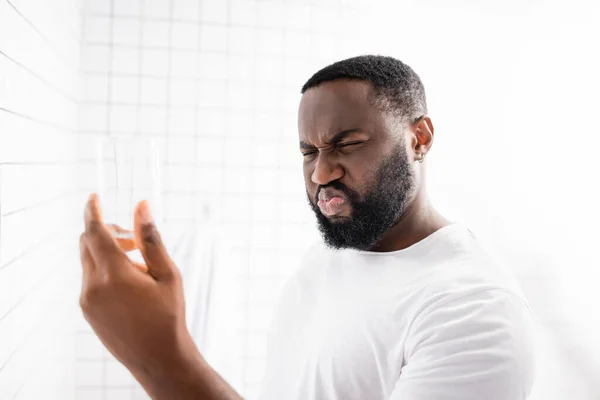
point(148, 240)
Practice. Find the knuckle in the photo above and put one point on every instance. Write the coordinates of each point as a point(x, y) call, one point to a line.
point(113, 281)
point(105, 280)
point(94, 227)
point(90, 296)
point(150, 234)
point(85, 302)
point(176, 273)
point(173, 275)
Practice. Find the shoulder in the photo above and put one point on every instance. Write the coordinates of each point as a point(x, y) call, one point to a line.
point(479, 309)
point(488, 334)
point(465, 270)
point(470, 293)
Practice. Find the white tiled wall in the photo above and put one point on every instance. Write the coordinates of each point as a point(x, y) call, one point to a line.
point(40, 199)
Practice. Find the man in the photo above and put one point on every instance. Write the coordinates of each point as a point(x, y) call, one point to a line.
point(401, 304)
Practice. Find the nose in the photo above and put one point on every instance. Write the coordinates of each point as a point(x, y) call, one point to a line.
point(326, 170)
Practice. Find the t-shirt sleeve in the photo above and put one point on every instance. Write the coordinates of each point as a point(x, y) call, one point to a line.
point(471, 347)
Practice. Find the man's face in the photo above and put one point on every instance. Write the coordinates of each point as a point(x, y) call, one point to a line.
point(357, 172)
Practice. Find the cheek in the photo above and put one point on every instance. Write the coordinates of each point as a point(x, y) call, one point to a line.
point(357, 174)
point(361, 179)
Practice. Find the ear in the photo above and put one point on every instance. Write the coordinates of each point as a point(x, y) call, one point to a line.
point(422, 131)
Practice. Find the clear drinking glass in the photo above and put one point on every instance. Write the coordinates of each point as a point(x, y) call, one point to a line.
point(128, 171)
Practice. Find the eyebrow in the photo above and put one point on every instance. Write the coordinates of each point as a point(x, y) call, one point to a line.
point(338, 137)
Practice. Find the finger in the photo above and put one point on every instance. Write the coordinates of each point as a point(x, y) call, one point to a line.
point(103, 248)
point(124, 237)
point(160, 265)
point(92, 210)
point(140, 266)
point(87, 263)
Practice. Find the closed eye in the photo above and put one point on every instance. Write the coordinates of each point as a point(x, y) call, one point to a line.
point(350, 144)
point(340, 145)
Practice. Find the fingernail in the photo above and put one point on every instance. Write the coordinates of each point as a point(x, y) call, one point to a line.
point(145, 215)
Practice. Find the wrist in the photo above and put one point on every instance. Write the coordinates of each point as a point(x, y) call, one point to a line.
point(182, 373)
point(174, 372)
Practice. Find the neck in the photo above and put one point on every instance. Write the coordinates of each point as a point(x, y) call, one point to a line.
point(418, 221)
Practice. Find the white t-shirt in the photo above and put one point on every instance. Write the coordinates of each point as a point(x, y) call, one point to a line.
point(440, 320)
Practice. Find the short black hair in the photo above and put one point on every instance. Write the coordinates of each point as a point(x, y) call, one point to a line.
point(397, 88)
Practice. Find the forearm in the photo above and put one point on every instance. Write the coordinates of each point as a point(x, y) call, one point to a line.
point(188, 377)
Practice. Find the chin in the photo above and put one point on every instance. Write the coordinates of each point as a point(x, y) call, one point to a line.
point(338, 219)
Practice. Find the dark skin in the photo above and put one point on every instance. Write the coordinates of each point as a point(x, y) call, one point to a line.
point(138, 311)
point(343, 136)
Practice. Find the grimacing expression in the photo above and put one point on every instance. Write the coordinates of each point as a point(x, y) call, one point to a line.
point(358, 175)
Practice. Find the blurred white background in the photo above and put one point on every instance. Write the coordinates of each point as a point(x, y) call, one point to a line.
point(512, 89)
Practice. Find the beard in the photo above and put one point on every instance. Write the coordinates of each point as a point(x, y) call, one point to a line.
point(373, 213)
